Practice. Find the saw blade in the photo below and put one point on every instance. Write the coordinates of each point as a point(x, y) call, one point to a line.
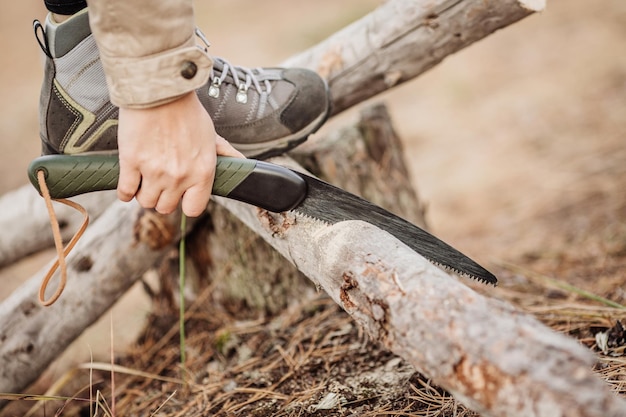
point(332, 205)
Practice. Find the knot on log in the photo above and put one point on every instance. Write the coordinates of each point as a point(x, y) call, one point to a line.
point(331, 62)
point(155, 230)
point(481, 381)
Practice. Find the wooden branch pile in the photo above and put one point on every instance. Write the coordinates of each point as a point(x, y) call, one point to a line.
point(493, 358)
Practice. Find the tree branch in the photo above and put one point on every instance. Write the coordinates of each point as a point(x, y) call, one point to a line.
point(25, 223)
point(403, 39)
point(496, 360)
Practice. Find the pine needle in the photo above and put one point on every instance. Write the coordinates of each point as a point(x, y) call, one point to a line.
point(36, 397)
point(112, 368)
point(162, 404)
point(106, 367)
point(562, 285)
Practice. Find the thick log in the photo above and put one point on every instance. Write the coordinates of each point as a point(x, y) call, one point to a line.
point(25, 223)
point(401, 40)
point(496, 360)
point(368, 160)
point(365, 158)
point(118, 248)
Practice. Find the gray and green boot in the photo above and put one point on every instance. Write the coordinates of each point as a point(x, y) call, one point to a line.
point(262, 112)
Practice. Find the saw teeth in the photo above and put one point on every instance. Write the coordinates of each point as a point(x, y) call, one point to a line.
point(438, 264)
point(461, 273)
point(306, 216)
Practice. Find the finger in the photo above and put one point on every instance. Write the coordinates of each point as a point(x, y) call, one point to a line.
point(195, 200)
point(148, 195)
point(168, 201)
point(128, 183)
point(224, 148)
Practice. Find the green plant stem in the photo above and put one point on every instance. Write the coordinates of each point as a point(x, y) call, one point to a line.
point(181, 289)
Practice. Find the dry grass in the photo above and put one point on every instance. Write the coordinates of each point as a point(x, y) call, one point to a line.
point(313, 360)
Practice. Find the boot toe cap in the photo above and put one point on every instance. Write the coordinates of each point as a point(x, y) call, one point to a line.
point(310, 102)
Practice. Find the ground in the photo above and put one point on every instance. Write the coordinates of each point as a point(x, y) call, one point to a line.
point(516, 145)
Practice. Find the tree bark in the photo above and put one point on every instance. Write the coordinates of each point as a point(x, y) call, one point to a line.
point(496, 360)
point(117, 249)
point(403, 39)
point(25, 223)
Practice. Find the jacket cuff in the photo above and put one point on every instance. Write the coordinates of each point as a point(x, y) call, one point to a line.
point(157, 79)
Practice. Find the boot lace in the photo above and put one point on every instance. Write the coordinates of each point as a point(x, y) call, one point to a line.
point(242, 77)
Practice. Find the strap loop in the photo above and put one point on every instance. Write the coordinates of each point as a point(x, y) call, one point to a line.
point(62, 253)
point(42, 39)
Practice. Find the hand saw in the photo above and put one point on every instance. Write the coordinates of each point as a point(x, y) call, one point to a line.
point(266, 185)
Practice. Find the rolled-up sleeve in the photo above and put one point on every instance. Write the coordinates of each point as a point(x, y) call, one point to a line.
point(148, 50)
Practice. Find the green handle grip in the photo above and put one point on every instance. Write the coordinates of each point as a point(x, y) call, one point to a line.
point(259, 183)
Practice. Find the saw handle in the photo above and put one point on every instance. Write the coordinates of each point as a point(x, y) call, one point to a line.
point(259, 183)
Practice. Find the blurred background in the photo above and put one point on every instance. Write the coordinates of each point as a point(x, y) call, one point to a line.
point(501, 138)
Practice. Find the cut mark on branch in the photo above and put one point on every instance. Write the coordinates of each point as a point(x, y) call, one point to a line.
point(392, 78)
point(276, 223)
point(349, 283)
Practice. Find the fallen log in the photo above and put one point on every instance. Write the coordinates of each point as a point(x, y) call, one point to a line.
point(118, 248)
point(25, 223)
point(403, 39)
point(496, 360)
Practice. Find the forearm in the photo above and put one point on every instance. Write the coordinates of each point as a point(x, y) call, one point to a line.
point(148, 50)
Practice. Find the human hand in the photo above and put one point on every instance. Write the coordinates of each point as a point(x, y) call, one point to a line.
point(168, 153)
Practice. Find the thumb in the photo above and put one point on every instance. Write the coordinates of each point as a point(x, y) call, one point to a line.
point(224, 148)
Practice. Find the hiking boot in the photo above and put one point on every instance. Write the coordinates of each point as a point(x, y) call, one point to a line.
point(262, 112)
